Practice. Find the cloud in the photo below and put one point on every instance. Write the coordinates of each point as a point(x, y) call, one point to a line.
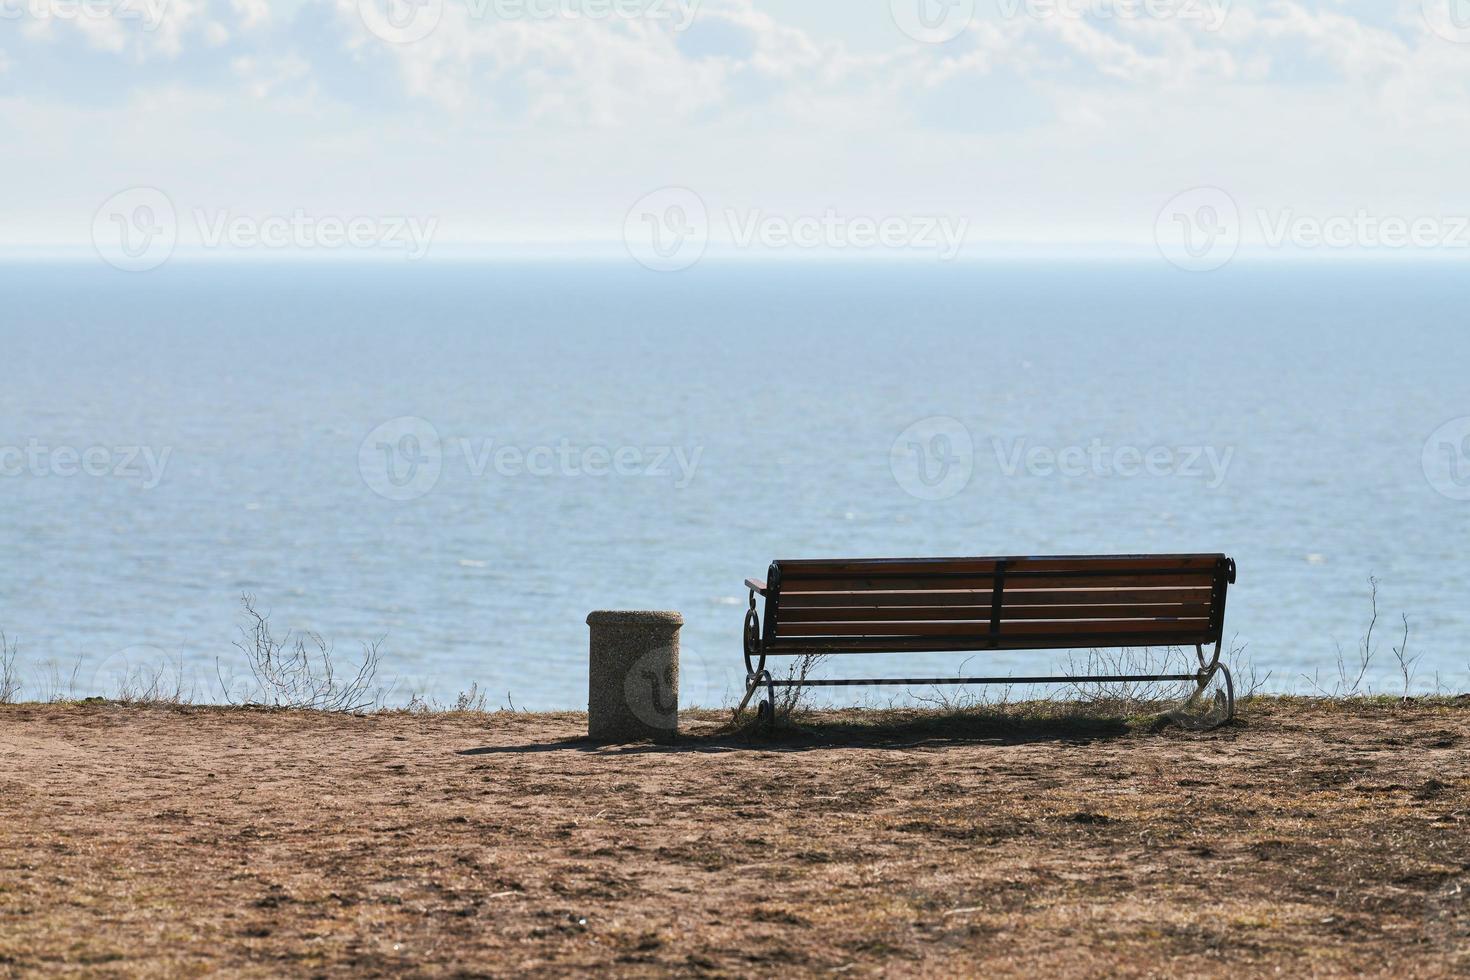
point(730, 58)
point(517, 123)
point(251, 14)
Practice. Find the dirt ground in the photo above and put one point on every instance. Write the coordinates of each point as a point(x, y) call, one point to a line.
point(1308, 839)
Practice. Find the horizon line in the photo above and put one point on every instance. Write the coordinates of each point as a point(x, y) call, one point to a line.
point(618, 251)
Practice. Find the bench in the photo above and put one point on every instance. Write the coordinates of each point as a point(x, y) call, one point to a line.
point(911, 605)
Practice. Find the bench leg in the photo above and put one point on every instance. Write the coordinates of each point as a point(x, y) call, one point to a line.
point(752, 684)
point(1229, 693)
point(1207, 672)
point(1215, 666)
point(767, 708)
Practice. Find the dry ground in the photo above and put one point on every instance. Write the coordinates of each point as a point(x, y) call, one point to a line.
point(1311, 838)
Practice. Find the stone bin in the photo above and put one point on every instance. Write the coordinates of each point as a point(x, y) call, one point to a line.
point(633, 676)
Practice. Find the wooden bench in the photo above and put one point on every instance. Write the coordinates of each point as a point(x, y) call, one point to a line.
point(909, 605)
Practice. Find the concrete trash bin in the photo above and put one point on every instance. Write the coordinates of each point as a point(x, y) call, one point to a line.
point(633, 676)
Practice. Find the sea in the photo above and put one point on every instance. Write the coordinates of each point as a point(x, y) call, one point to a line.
point(457, 460)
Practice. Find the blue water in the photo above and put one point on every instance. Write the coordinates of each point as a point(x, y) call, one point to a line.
point(786, 387)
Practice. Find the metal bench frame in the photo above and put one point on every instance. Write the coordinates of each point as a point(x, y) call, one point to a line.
point(761, 639)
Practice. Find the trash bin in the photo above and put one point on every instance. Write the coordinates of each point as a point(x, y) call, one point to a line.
point(633, 676)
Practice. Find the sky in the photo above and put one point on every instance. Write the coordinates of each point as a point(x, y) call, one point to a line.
point(802, 126)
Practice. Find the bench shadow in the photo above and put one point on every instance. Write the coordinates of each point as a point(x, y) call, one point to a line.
point(841, 733)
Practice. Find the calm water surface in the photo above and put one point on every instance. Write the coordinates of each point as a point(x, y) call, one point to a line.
point(597, 436)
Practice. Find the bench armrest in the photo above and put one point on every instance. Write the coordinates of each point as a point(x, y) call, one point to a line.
point(756, 585)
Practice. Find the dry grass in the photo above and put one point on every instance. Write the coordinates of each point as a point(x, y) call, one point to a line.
point(1311, 838)
point(10, 683)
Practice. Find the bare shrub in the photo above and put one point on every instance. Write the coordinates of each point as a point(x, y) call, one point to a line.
point(1350, 675)
point(1183, 702)
point(472, 701)
point(55, 686)
point(1406, 663)
point(10, 683)
point(792, 699)
point(1130, 697)
point(1350, 672)
point(154, 684)
point(963, 699)
point(1248, 681)
point(297, 670)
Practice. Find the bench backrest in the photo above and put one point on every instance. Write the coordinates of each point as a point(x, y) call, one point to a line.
point(883, 605)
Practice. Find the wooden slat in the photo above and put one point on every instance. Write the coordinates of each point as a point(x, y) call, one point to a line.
point(1051, 597)
point(886, 566)
point(885, 583)
point(1118, 563)
point(1081, 629)
point(1018, 580)
point(814, 600)
point(922, 614)
point(883, 629)
point(938, 644)
point(915, 614)
point(986, 565)
point(1137, 610)
point(1131, 580)
point(981, 598)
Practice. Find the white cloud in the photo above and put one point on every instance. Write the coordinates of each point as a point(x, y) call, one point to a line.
point(265, 75)
point(135, 29)
point(251, 14)
point(1035, 128)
